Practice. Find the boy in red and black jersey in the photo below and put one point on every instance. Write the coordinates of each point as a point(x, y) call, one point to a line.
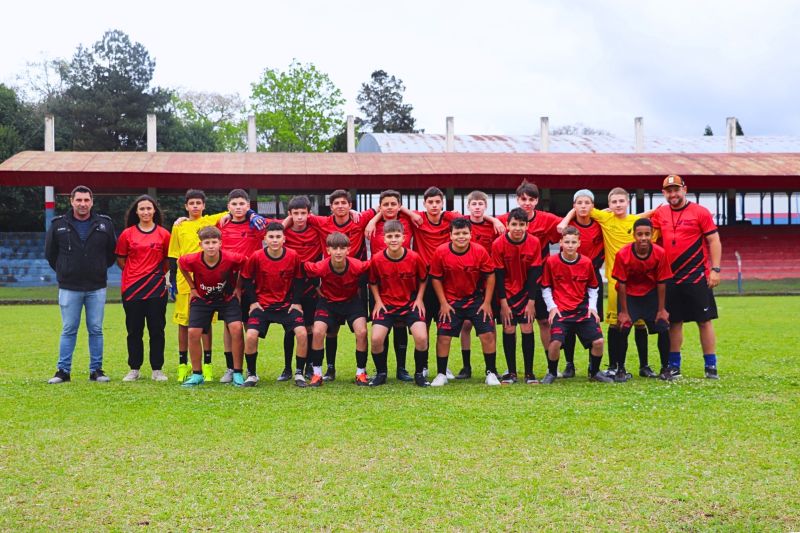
point(517, 257)
point(270, 280)
point(641, 270)
point(343, 220)
point(339, 302)
point(462, 274)
point(569, 287)
point(397, 278)
point(212, 282)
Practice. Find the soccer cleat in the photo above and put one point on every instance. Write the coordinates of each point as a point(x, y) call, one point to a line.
point(491, 378)
point(330, 374)
point(309, 372)
point(449, 374)
point(299, 379)
point(251, 381)
point(99, 376)
point(675, 371)
point(193, 381)
point(604, 378)
point(183, 372)
point(711, 372)
point(622, 375)
point(159, 375)
point(465, 373)
point(379, 379)
point(132, 375)
point(530, 379)
point(208, 372)
point(569, 371)
point(666, 374)
point(439, 381)
point(286, 375)
point(425, 372)
point(403, 375)
point(647, 372)
point(238, 379)
point(227, 377)
point(362, 380)
point(420, 381)
point(316, 380)
point(611, 372)
point(548, 379)
point(59, 377)
point(509, 378)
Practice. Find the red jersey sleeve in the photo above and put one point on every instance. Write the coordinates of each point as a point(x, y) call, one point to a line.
point(706, 222)
point(437, 270)
point(547, 276)
point(314, 269)
point(422, 270)
point(123, 243)
point(619, 273)
point(664, 271)
point(485, 261)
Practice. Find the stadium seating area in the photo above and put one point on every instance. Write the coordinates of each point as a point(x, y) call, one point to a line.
point(768, 252)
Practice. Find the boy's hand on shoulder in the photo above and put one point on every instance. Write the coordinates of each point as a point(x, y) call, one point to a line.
point(179, 221)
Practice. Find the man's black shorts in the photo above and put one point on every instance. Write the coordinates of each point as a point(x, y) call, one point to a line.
point(586, 329)
point(398, 316)
point(645, 308)
point(260, 320)
point(471, 312)
point(334, 314)
point(431, 302)
point(691, 302)
point(200, 312)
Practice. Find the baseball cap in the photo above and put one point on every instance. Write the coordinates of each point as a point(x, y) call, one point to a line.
point(673, 180)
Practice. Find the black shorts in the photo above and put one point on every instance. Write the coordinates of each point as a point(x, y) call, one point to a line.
point(587, 330)
point(517, 304)
point(245, 306)
point(431, 302)
point(260, 320)
point(599, 294)
point(334, 314)
point(540, 306)
point(470, 312)
point(403, 316)
point(645, 308)
point(200, 312)
point(690, 302)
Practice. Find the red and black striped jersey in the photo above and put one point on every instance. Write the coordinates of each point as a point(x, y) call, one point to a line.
point(515, 259)
point(240, 238)
point(273, 277)
point(213, 283)
point(144, 253)
point(377, 244)
point(683, 236)
point(641, 274)
point(398, 280)
point(306, 243)
point(569, 282)
point(429, 236)
point(462, 274)
point(483, 233)
point(543, 226)
point(591, 241)
point(337, 286)
point(353, 230)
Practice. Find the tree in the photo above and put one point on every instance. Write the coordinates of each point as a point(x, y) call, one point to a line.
point(708, 132)
point(578, 129)
point(381, 101)
point(219, 117)
point(297, 110)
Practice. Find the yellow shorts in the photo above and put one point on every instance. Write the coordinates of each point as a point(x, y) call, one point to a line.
point(611, 310)
point(181, 314)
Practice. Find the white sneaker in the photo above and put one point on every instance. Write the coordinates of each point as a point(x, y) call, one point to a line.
point(450, 374)
point(439, 381)
point(133, 375)
point(251, 381)
point(227, 377)
point(159, 375)
point(491, 378)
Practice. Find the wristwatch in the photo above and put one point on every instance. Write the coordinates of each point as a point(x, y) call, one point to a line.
point(716, 269)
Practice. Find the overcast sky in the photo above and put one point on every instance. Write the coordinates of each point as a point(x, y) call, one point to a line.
point(497, 66)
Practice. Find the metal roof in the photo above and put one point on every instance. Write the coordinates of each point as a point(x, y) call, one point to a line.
point(292, 172)
point(431, 143)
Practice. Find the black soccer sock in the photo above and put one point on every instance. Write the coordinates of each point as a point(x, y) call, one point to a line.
point(228, 360)
point(510, 351)
point(552, 367)
point(380, 362)
point(622, 347)
point(465, 358)
point(183, 358)
point(288, 348)
point(663, 348)
point(400, 345)
point(197, 372)
point(613, 347)
point(640, 337)
point(250, 359)
point(491, 362)
point(441, 365)
point(594, 364)
point(569, 347)
point(206, 357)
point(237, 370)
point(315, 356)
point(361, 359)
point(331, 345)
point(528, 345)
point(420, 360)
point(300, 363)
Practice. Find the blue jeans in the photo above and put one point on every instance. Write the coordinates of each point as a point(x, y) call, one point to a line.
point(72, 303)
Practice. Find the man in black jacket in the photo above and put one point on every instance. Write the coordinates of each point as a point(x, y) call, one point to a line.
point(80, 248)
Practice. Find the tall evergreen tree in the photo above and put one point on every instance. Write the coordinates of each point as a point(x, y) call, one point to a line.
point(381, 101)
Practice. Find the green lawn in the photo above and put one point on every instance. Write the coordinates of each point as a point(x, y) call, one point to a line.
point(645, 455)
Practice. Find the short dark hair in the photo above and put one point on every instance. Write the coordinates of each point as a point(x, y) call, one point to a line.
point(238, 193)
point(642, 222)
point(274, 226)
point(209, 232)
point(571, 230)
point(460, 223)
point(337, 239)
point(193, 194)
point(528, 188)
point(299, 202)
point(518, 214)
point(390, 193)
point(340, 193)
point(393, 226)
point(83, 189)
point(132, 217)
point(430, 192)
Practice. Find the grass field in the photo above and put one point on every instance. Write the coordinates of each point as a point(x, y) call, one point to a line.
point(646, 455)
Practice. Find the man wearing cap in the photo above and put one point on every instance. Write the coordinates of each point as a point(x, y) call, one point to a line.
point(691, 241)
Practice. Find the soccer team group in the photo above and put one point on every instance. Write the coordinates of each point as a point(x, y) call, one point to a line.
point(313, 274)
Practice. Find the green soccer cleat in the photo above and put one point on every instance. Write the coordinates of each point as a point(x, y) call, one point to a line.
point(183, 372)
point(194, 380)
point(238, 379)
point(208, 372)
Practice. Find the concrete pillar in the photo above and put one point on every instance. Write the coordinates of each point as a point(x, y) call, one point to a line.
point(731, 134)
point(450, 136)
point(151, 132)
point(544, 134)
point(253, 192)
point(351, 134)
point(639, 201)
point(731, 208)
point(638, 135)
point(449, 198)
point(49, 191)
point(252, 145)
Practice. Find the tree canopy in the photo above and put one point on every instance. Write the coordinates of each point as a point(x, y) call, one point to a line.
point(381, 101)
